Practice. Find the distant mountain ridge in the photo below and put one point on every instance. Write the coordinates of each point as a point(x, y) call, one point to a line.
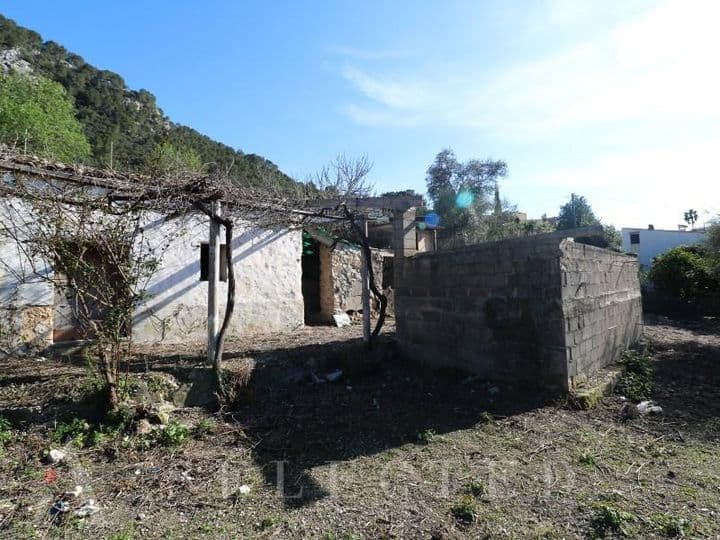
point(121, 124)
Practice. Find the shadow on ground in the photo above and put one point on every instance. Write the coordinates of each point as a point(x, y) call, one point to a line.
point(687, 383)
point(381, 401)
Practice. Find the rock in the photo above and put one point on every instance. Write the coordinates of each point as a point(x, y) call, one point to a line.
point(73, 493)
point(341, 320)
point(648, 407)
point(160, 412)
point(244, 489)
point(143, 427)
point(56, 456)
point(87, 509)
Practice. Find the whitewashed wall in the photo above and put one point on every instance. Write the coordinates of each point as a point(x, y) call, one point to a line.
point(654, 242)
point(26, 298)
point(268, 292)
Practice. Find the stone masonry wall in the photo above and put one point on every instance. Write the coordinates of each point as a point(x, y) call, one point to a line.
point(541, 311)
point(340, 282)
point(601, 305)
point(494, 309)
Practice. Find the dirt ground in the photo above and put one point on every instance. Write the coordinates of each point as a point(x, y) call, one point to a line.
point(388, 450)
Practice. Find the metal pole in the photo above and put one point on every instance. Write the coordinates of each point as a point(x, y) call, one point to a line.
point(213, 278)
point(364, 277)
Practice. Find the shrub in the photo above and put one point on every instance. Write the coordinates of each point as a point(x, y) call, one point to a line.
point(464, 510)
point(636, 382)
point(76, 431)
point(607, 518)
point(174, 434)
point(685, 275)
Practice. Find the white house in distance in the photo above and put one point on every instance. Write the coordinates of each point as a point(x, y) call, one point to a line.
point(650, 242)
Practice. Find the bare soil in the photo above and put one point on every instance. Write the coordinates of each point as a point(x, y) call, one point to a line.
point(389, 450)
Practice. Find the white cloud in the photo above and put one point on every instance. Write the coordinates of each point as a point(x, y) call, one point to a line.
point(659, 64)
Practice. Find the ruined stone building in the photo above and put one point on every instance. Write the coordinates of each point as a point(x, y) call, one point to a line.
point(540, 310)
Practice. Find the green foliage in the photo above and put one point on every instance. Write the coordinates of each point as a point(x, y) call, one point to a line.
point(637, 380)
point(685, 273)
point(166, 159)
point(427, 436)
point(5, 433)
point(124, 126)
point(38, 114)
point(577, 212)
point(476, 488)
point(77, 431)
point(465, 510)
point(671, 526)
point(585, 458)
point(608, 519)
point(174, 434)
point(460, 194)
point(203, 428)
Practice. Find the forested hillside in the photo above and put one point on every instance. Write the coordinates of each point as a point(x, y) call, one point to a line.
point(124, 127)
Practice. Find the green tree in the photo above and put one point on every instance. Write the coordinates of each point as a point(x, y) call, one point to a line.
point(577, 212)
point(684, 273)
point(691, 217)
point(461, 196)
point(166, 159)
point(37, 115)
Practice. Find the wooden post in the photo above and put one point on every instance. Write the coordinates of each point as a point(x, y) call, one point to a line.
point(365, 278)
point(213, 278)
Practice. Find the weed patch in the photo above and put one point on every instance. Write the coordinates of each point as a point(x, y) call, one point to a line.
point(636, 382)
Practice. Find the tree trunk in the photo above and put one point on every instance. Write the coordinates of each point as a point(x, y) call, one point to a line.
point(229, 304)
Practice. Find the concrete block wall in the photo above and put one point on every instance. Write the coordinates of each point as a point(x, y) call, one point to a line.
point(541, 311)
point(601, 305)
point(493, 309)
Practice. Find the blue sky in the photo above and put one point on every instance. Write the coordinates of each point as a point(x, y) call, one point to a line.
point(618, 101)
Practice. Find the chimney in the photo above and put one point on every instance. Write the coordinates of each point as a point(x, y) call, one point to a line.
point(651, 227)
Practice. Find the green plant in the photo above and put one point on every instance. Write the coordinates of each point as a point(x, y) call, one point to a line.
point(77, 431)
point(268, 521)
point(174, 434)
point(636, 382)
point(685, 273)
point(607, 518)
point(204, 427)
point(476, 488)
point(465, 510)
point(583, 457)
point(427, 436)
point(126, 534)
point(5, 433)
point(671, 526)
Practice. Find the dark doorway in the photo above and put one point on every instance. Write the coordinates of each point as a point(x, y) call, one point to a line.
point(311, 279)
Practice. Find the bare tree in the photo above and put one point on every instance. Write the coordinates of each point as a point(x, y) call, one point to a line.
point(97, 252)
point(345, 177)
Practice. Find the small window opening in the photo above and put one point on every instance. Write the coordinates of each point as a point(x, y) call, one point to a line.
point(205, 262)
point(635, 238)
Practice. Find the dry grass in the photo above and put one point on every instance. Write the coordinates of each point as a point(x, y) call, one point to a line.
point(389, 451)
